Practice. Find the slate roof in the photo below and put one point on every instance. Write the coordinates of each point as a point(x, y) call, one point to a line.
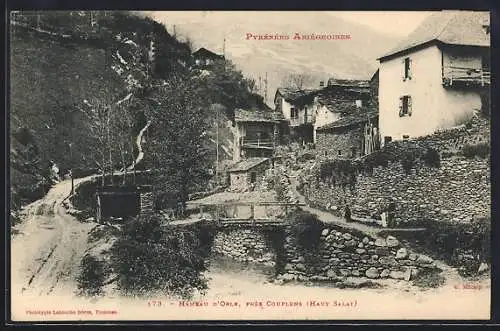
point(354, 83)
point(243, 115)
point(329, 96)
point(350, 120)
point(453, 27)
point(248, 164)
point(203, 52)
point(291, 95)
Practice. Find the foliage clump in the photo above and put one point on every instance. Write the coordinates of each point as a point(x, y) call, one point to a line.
point(149, 258)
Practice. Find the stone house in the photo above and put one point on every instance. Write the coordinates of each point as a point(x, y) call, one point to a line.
point(257, 133)
point(351, 136)
point(248, 174)
point(339, 98)
point(437, 77)
point(296, 107)
point(204, 57)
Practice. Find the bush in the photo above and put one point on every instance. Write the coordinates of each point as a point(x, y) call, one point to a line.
point(149, 258)
point(91, 280)
point(432, 158)
point(481, 150)
point(463, 245)
point(307, 228)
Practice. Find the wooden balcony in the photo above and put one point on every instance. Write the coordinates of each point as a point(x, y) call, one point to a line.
point(257, 143)
point(466, 77)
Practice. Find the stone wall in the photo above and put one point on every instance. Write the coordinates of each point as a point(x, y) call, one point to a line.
point(341, 254)
point(245, 245)
point(456, 191)
point(331, 143)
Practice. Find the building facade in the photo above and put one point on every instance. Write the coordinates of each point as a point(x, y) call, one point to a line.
point(436, 79)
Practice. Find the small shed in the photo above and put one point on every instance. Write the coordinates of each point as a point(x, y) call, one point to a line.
point(247, 174)
point(123, 201)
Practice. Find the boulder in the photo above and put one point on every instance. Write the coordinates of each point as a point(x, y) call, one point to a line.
point(392, 241)
point(380, 242)
point(331, 274)
point(388, 260)
point(372, 272)
point(385, 273)
point(397, 274)
point(412, 256)
point(350, 243)
point(347, 236)
point(365, 240)
point(424, 259)
point(300, 266)
point(301, 259)
point(324, 233)
point(288, 267)
point(360, 250)
point(345, 272)
point(402, 253)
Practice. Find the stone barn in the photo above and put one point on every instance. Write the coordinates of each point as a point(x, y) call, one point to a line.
point(248, 174)
point(350, 137)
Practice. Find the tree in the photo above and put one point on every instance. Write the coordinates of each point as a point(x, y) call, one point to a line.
point(179, 148)
point(297, 81)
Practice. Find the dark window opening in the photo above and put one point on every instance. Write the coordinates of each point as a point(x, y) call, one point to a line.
point(407, 68)
point(253, 177)
point(294, 113)
point(340, 152)
point(405, 106)
point(387, 139)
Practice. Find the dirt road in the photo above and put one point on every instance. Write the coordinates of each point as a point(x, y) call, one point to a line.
point(48, 245)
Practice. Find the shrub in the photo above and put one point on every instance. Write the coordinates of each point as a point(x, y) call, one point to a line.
point(481, 150)
point(91, 280)
point(432, 158)
point(463, 245)
point(307, 228)
point(149, 258)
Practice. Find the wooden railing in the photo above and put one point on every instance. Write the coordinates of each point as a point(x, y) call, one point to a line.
point(240, 211)
point(466, 76)
point(256, 142)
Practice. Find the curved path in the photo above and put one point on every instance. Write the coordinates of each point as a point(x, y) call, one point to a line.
point(48, 246)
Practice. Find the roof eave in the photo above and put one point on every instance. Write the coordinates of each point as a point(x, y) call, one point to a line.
point(392, 55)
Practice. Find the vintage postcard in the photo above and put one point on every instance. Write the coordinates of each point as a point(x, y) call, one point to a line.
point(216, 165)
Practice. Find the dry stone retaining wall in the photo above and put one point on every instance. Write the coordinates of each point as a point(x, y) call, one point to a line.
point(341, 254)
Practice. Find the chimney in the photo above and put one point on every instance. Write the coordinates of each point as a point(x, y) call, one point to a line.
point(322, 83)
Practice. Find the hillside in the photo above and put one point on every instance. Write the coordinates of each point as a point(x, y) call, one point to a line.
point(84, 84)
point(353, 58)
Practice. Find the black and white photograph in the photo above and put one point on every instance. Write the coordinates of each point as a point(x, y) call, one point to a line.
point(249, 165)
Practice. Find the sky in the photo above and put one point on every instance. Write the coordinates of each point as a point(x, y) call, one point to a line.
point(395, 23)
point(390, 22)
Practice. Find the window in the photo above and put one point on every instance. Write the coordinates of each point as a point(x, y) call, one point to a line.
point(387, 139)
point(405, 106)
point(359, 103)
point(294, 113)
point(253, 177)
point(407, 71)
point(208, 61)
point(353, 151)
point(340, 152)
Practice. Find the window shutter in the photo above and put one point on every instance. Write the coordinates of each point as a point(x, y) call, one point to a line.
point(403, 69)
point(409, 106)
point(409, 68)
point(401, 107)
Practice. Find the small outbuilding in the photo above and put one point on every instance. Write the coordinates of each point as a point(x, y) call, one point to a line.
point(247, 174)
